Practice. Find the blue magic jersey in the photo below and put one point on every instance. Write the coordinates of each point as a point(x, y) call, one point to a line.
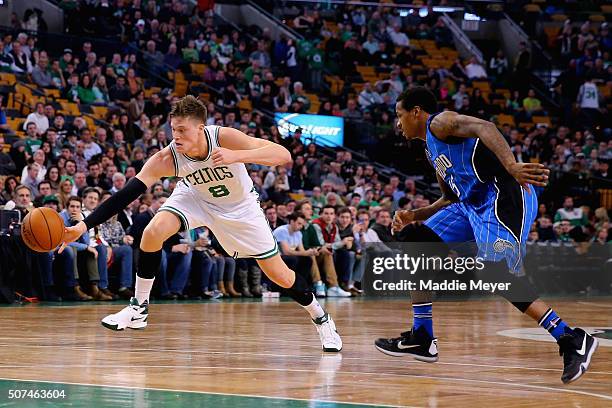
point(493, 209)
point(465, 164)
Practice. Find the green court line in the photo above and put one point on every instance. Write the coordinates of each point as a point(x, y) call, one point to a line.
point(102, 396)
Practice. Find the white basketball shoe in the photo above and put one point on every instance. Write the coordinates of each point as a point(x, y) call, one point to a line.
point(330, 339)
point(133, 316)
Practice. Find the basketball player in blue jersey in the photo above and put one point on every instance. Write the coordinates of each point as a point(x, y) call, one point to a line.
point(487, 198)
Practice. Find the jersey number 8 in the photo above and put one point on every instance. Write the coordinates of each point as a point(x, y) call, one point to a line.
point(219, 191)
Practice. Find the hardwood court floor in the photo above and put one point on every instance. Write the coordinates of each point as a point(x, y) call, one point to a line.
point(231, 354)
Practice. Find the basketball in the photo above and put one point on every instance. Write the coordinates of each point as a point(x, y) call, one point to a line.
point(42, 229)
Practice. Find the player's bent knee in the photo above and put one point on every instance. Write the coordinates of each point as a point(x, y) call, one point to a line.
point(161, 227)
point(277, 270)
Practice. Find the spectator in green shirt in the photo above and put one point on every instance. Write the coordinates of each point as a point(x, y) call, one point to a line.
point(66, 59)
point(241, 56)
point(532, 104)
point(85, 90)
point(117, 65)
point(316, 62)
point(252, 70)
point(575, 216)
point(304, 48)
point(368, 200)
point(190, 53)
point(347, 33)
point(32, 141)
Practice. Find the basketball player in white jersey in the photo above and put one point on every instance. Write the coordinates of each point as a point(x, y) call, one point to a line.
point(215, 191)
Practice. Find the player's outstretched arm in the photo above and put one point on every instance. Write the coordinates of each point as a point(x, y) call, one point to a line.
point(160, 165)
point(237, 147)
point(453, 124)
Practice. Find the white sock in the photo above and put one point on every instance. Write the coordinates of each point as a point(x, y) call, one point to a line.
point(314, 309)
point(143, 289)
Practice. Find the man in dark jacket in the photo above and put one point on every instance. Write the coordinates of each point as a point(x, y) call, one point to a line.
point(382, 227)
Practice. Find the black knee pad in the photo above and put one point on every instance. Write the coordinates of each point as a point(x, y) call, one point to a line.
point(300, 291)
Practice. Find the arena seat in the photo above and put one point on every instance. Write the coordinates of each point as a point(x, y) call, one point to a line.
point(541, 119)
point(605, 197)
point(597, 18)
point(245, 104)
point(503, 119)
point(558, 17)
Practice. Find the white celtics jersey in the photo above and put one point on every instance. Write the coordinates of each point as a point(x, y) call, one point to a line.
point(224, 187)
point(588, 96)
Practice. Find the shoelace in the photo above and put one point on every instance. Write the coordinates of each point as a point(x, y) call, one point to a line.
point(403, 336)
point(328, 332)
point(566, 345)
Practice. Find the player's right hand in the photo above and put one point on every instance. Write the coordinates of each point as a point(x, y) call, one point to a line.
point(529, 173)
point(71, 234)
point(401, 219)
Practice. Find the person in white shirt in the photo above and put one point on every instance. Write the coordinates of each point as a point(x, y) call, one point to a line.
point(368, 96)
point(459, 96)
point(38, 117)
point(474, 70)
point(289, 238)
point(396, 85)
point(118, 182)
point(272, 175)
point(371, 45)
point(31, 178)
point(39, 160)
point(588, 95)
point(588, 101)
point(498, 65)
point(91, 148)
point(397, 37)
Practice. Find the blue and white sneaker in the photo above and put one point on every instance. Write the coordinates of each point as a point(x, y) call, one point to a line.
point(319, 289)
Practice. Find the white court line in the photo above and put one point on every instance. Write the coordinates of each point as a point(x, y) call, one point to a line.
point(314, 357)
point(609, 306)
point(428, 377)
point(207, 392)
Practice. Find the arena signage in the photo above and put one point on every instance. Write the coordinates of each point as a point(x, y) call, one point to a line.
point(323, 130)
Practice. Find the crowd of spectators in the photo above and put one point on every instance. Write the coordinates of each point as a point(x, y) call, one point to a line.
point(324, 210)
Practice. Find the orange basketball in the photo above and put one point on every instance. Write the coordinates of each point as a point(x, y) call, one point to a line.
point(42, 229)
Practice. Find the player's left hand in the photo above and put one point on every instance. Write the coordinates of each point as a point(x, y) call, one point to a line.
point(223, 156)
point(401, 219)
point(529, 173)
point(71, 234)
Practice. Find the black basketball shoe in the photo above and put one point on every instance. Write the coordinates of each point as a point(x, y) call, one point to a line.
point(576, 347)
point(417, 344)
